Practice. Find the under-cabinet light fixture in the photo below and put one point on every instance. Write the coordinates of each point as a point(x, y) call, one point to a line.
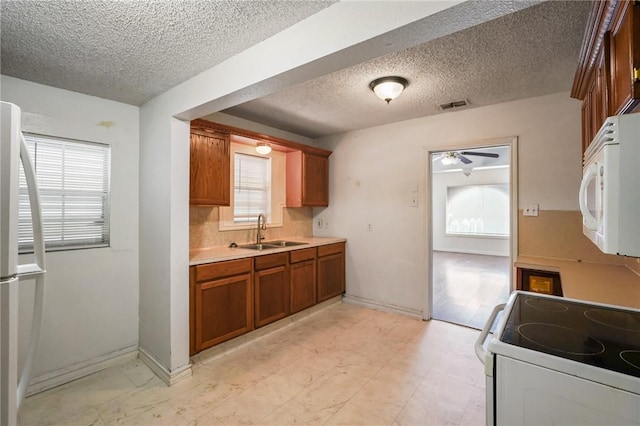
point(263, 148)
point(388, 88)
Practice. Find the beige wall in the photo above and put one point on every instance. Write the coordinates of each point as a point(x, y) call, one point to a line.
point(203, 228)
point(374, 173)
point(558, 234)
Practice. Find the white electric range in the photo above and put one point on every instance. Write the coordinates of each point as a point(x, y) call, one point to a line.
point(558, 361)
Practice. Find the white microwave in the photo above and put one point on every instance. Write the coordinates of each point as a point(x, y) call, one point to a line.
point(610, 188)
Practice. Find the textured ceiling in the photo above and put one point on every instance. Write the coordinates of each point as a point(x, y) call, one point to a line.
point(529, 53)
point(131, 51)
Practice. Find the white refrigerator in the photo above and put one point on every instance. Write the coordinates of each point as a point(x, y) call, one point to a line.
point(13, 150)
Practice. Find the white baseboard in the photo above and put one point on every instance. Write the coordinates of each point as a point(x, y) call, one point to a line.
point(381, 306)
point(76, 371)
point(169, 377)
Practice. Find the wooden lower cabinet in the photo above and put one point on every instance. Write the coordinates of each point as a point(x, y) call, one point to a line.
point(230, 298)
point(331, 271)
point(302, 272)
point(221, 302)
point(271, 285)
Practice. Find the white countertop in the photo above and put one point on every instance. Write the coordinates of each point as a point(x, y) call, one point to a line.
point(595, 282)
point(222, 253)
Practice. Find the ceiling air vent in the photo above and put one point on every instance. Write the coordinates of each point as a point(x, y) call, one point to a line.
point(455, 104)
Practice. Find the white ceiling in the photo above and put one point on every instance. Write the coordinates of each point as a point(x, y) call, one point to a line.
point(131, 51)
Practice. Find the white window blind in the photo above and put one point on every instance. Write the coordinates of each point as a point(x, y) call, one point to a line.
point(73, 180)
point(252, 187)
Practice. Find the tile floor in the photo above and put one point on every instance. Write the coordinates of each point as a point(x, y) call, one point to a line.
point(345, 365)
point(466, 287)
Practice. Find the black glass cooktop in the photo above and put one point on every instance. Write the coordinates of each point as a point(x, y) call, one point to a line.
point(600, 336)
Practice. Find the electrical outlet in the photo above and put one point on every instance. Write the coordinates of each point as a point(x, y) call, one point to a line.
point(326, 224)
point(319, 223)
point(530, 210)
point(369, 227)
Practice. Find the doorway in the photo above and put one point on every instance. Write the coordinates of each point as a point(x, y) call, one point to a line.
point(472, 226)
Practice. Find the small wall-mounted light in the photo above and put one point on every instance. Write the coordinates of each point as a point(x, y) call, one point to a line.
point(388, 88)
point(263, 148)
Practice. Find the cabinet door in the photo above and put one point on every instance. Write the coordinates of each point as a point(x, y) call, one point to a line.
point(271, 295)
point(625, 58)
point(315, 180)
point(330, 276)
point(303, 285)
point(587, 134)
point(210, 168)
point(223, 310)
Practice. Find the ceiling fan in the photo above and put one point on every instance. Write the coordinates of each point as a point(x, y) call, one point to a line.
point(453, 157)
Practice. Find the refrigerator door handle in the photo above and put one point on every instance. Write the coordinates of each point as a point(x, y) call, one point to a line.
point(35, 270)
point(36, 214)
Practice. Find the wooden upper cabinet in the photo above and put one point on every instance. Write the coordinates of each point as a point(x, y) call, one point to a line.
point(607, 79)
point(625, 58)
point(210, 168)
point(595, 107)
point(307, 179)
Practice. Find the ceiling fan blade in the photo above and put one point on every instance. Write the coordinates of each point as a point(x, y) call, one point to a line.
point(481, 154)
point(464, 159)
point(437, 157)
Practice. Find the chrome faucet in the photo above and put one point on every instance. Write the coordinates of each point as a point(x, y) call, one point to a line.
point(262, 227)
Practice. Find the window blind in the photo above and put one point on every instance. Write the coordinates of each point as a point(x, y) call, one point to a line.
point(73, 181)
point(252, 187)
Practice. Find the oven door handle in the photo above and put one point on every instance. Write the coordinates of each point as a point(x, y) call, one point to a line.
point(480, 352)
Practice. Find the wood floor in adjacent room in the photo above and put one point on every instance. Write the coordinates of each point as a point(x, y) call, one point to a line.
point(466, 287)
point(345, 365)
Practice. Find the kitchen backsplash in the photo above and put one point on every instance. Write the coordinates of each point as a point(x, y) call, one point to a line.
point(558, 234)
point(203, 227)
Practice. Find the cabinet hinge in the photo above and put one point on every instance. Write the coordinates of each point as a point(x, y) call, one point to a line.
point(636, 74)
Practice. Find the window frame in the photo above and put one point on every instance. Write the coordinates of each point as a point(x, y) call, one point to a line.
point(62, 244)
point(267, 188)
point(278, 191)
point(502, 186)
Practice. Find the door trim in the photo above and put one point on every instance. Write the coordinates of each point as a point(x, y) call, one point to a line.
point(512, 142)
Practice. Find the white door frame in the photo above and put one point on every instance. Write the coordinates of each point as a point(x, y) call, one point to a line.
point(512, 142)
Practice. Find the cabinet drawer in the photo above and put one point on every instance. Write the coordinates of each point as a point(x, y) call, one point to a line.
point(222, 269)
point(271, 260)
point(330, 249)
point(304, 254)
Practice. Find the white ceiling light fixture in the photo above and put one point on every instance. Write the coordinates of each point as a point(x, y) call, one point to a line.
point(388, 88)
point(263, 148)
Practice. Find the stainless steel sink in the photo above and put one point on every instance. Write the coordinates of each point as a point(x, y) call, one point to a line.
point(271, 245)
point(259, 246)
point(282, 243)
